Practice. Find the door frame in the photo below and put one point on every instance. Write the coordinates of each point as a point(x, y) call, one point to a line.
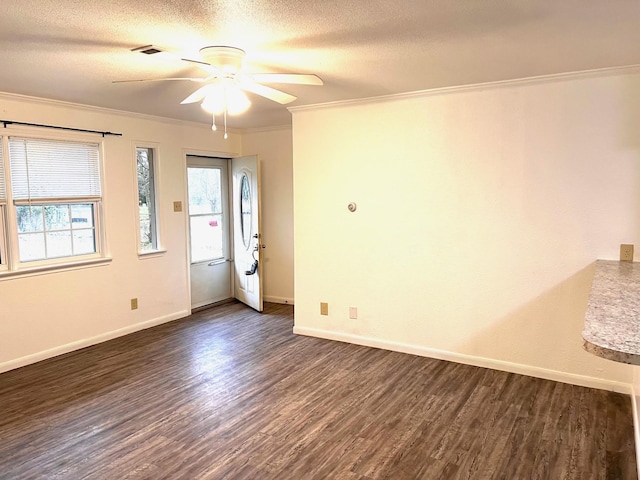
point(185, 216)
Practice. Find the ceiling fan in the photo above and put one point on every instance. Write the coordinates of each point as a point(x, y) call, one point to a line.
point(223, 92)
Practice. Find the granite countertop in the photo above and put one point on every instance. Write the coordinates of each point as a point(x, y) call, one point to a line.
point(612, 322)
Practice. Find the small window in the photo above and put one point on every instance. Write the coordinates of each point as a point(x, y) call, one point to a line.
point(3, 203)
point(206, 218)
point(147, 213)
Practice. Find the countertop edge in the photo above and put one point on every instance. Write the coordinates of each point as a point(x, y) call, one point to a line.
point(609, 354)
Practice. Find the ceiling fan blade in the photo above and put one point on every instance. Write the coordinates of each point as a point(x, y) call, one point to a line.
point(291, 78)
point(191, 79)
point(198, 95)
point(267, 92)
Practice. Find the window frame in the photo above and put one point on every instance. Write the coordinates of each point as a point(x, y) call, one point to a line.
point(155, 222)
point(4, 252)
point(4, 244)
point(11, 265)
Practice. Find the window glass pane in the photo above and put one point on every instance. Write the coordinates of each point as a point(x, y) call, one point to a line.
point(82, 216)
point(31, 246)
point(3, 189)
point(58, 244)
point(206, 237)
point(146, 199)
point(83, 242)
point(205, 194)
point(245, 211)
point(29, 218)
point(46, 231)
point(146, 235)
point(56, 217)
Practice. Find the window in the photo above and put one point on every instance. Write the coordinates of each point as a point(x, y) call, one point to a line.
point(51, 212)
point(206, 220)
point(54, 231)
point(3, 202)
point(245, 211)
point(147, 216)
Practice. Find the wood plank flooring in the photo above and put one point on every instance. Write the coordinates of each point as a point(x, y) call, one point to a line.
point(232, 394)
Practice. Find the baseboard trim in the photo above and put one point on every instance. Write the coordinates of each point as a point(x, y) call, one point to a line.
point(282, 300)
point(570, 378)
point(87, 342)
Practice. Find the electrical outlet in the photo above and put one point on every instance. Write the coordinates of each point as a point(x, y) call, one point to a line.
point(353, 313)
point(134, 304)
point(177, 206)
point(324, 308)
point(626, 253)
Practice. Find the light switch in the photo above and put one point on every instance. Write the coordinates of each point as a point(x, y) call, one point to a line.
point(177, 206)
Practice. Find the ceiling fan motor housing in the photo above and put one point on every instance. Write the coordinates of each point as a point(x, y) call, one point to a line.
point(227, 59)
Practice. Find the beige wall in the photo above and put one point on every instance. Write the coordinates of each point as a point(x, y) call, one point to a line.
point(480, 214)
point(46, 314)
point(274, 149)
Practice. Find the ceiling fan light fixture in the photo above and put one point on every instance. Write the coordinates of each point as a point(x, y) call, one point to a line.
point(223, 98)
point(237, 101)
point(214, 103)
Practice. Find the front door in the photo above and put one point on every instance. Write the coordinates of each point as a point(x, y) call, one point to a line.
point(209, 230)
point(247, 237)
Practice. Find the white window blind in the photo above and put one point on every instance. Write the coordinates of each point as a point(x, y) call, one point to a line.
point(54, 170)
point(3, 189)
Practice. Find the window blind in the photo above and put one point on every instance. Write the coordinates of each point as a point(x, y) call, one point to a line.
point(3, 188)
point(50, 169)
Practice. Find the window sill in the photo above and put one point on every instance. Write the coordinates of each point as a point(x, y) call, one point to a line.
point(58, 267)
point(151, 254)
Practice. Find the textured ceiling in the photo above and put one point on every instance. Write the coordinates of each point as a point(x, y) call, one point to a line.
point(72, 49)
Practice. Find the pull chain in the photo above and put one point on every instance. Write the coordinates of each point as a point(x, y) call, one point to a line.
point(225, 123)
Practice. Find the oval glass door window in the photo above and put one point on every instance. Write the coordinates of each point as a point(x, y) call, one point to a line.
point(245, 210)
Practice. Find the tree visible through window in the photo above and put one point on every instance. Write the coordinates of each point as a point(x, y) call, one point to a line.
point(53, 231)
point(146, 199)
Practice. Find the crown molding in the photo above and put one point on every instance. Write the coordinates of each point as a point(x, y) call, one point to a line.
point(540, 79)
point(266, 129)
point(109, 111)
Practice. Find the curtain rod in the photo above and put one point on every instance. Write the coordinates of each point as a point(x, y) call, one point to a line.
point(11, 122)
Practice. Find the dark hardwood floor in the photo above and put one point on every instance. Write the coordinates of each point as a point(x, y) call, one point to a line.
point(231, 394)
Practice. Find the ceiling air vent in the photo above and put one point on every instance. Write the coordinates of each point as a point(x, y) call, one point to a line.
point(147, 50)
